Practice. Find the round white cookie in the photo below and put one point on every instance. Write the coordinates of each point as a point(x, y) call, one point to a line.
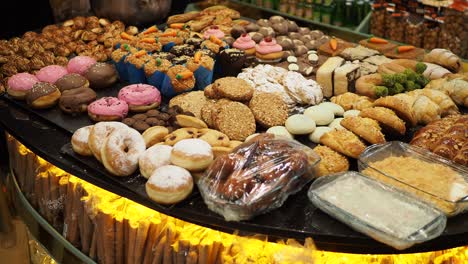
point(337, 109)
point(280, 131)
point(352, 112)
point(318, 133)
point(321, 115)
point(300, 124)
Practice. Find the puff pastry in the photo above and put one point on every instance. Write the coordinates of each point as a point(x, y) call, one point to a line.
point(389, 121)
point(344, 142)
point(425, 110)
point(364, 127)
point(330, 161)
point(447, 106)
point(350, 101)
point(401, 106)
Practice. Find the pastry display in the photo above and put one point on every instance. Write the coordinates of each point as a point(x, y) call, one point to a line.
point(364, 127)
point(344, 142)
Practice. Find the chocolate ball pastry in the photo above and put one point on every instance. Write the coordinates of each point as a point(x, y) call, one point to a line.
point(252, 27)
point(71, 81)
point(297, 42)
point(182, 50)
point(305, 38)
point(263, 23)
point(195, 42)
point(280, 28)
point(294, 35)
point(229, 40)
point(316, 34)
point(76, 101)
point(312, 45)
point(292, 26)
point(232, 61)
point(42, 95)
point(267, 32)
point(276, 19)
point(303, 30)
point(257, 37)
point(101, 75)
point(237, 31)
point(287, 53)
point(286, 44)
point(300, 50)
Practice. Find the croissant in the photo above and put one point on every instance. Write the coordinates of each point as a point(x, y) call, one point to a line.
point(447, 106)
point(444, 58)
point(351, 101)
point(425, 110)
point(455, 85)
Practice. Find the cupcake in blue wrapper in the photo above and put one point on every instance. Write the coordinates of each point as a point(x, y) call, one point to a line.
point(202, 67)
point(135, 66)
point(155, 71)
point(178, 80)
point(118, 59)
point(214, 44)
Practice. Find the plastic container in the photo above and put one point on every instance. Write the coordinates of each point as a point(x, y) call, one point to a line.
point(376, 209)
point(425, 175)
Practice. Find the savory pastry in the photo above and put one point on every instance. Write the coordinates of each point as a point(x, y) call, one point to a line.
point(344, 142)
point(76, 101)
point(19, 84)
point(80, 64)
point(79, 141)
point(402, 108)
point(107, 109)
point(325, 75)
point(192, 154)
point(389, 121)
point(101, 75)
point(364, 127)
point(42, 95)
point(71, 81)
point(140, 97)
point(154, 158)
point(121, 151)
point(330, 161)
point(447, 106)
point(169, 184)
point(351, 101)
point(444, 58)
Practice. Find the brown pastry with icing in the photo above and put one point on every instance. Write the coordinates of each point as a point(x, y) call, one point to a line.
point(364, 127)
point(42, 95)
point(344, 142)
point(101, 75)
point(389, 121)
point(75, 101)
point(71, 81)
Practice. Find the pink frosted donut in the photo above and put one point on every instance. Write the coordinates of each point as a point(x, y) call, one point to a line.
point(140, 97)
point(108, 109)
point(51, 73)
point(20, 83)
point(80, 64)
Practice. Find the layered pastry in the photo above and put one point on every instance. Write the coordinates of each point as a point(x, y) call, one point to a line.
point(381, 45)
point(325, 74)
point(269, 51)
point(245, 43)
point(358, 53)
point(344, 78)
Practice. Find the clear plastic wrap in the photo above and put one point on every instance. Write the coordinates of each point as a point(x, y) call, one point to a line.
point(257, 176)
point(377, 210)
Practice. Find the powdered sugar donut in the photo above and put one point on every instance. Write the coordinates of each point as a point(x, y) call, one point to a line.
point(169, 184)
point(51, 73)
point(20, 83)
point(79, 141)
point(140, 97)
point(122, 150)
point(192, 154)
point(153, 158)
point(80, 64)
point(99, 133)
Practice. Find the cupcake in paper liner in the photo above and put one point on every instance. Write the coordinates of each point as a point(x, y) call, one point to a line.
point(231, 62)
point(214, 44)
point(118, 59)
point(155, 71)
point(135, 63)
point(170, 38)
point(178, 80)
point(202, 67)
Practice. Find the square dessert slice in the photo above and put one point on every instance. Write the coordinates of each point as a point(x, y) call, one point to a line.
point(344, 78)
point(325, 74)
point(326, 48)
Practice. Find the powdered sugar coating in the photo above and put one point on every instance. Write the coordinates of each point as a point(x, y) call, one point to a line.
point(80, 64)
point(302, 90)
point(154, 158)
point(22, 81)
point(51, 73)
point(193, 147)
point(99, 133)
point(82, 134)
point(170, 177)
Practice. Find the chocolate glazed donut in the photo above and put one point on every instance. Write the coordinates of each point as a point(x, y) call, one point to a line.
point(75, 101)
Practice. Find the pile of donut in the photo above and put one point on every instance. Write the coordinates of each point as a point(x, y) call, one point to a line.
point(122, 150)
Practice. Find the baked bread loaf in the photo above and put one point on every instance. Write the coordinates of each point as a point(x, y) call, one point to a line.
point(364, 127)
point(344, 142)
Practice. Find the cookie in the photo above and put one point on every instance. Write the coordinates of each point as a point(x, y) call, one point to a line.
point(235, 120)
point(206, 112)
point(190, 102)
point(154, 135)
point(219, 151)
point(190, 121)
point(213, 137)
point(269, 109)
point(210, 92)
point(233, 88)
point(234, 143)
point(179, 134)
point(216, 108)
point(140, 125)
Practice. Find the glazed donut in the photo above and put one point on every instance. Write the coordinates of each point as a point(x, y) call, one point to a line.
point(108, 109)
point(121, 151)
point(99, 133)
point(42, 95)
point(169, 184)
point(19, 84)
point(192, 154)
point(79, 141)
point(153, 158)
point(76, 101)
point(140, 97)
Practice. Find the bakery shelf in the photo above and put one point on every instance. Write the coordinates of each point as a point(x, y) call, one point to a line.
point(297, 218)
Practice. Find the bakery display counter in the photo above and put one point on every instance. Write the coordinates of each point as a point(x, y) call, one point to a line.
point(43, 166)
